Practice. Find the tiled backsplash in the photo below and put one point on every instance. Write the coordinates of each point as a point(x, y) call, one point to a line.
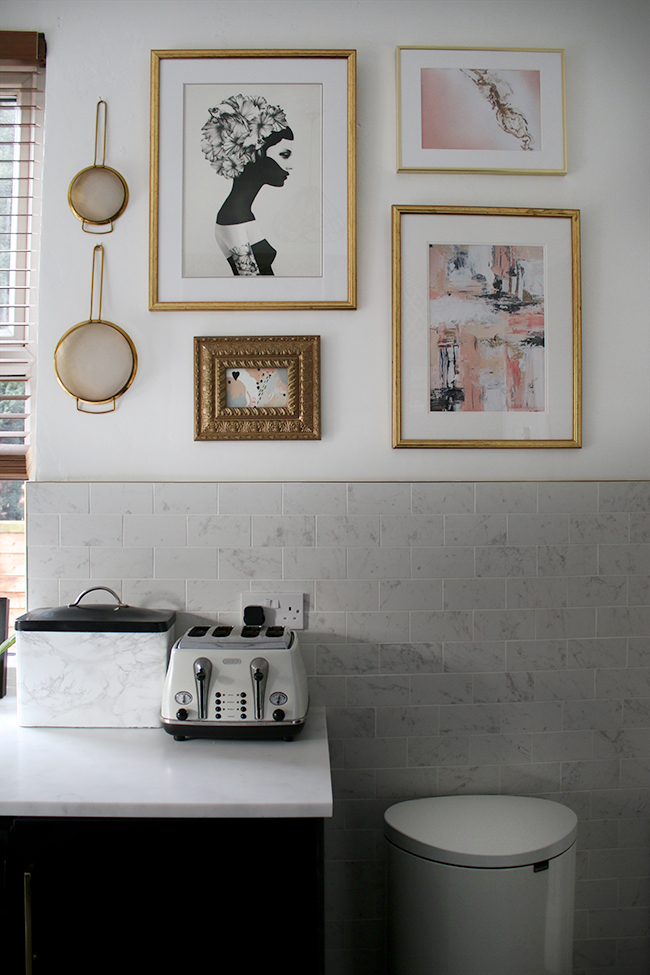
point(482, 638)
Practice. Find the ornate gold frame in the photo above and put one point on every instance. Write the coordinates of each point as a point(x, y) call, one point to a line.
point(572, 313)
point(299, 420)
point(350, 301)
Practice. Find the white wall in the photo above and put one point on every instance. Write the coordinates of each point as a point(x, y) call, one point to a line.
point(100, 49)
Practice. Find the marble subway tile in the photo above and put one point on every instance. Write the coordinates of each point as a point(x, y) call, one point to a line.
point(567, 560)
point(640, 527)
point(474, 657)
point(511, 498)
point(568, 685)
point(121, 563)
point(314, 563)
point(500, 749)
point(568, 496)
point(632, 559)
point(441, 626)
point(51, 497)
point(623, 683)
point(378, 691)
point(219, 531)
point(184, 563)
point(557, 624)
point(593, 652)
point(606, 529)
point(347, 659)
point(469, 780)
point(240, 498)
point(470, 719)
point(475, 530)
point(162, 530)
point(55, 562)
point(184, 499)
point(410, 658)
point(155, 593)
point(114, 498)
point(91, 530)
point(330, 627)
point(439, 689)
point(624, 496)
point(533, 717)
point(592, 715)
point(531, 779)
point(376, 753)
point(441, 498)
point(580, 776)
point(497, 688)
point(547, 529)
point(379, 498)
point(276, 531)
point(42, 593)
point(43, 530)
point(379, 563)
point(473, 594)
point(214, 596)
point(327, 692)
point(407, 721)
point(638, 652)
point(442, 562)
point(418, 531)
point(508, 624)
point(621, 743)
point(410, 594)
point(506, 560)
point(438, 750)
point(536, 655)
point(314, 499)
point(71, 589)
point(409, 783)
point(249, 563)
point(351, 722)
point(563, 746)
point(621, 621)
point(638, 590)
point(597, 591)
point(357, 530)
point(377, 626)
point(343, 595)
point(536, 592)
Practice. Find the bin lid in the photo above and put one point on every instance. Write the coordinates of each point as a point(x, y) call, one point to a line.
point(481, 831)
point(97, 617)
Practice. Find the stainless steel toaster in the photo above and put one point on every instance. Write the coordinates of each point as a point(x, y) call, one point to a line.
point(235, 682)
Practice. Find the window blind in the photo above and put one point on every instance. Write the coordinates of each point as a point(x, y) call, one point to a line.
point(22, 93)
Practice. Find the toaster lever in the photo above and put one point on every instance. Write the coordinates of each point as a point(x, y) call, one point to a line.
point(202, 674)
point(259, 674)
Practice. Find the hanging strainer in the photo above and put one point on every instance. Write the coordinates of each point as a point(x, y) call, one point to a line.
point(95, 361)
point(98, 194)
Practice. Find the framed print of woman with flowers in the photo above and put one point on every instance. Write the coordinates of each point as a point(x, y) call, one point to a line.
point(252, 180)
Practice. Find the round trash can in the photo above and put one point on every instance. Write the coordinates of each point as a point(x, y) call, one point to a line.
point(480, 885)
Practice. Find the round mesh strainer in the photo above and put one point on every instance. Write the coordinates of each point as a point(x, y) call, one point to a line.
point(98, 194)
point(95, 361)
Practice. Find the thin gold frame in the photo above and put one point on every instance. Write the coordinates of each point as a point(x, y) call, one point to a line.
point(476, 169)
point(575, 314)
point(299, 355)
point(248, 305)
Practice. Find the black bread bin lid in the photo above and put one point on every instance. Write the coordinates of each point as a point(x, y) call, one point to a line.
point(97, 618)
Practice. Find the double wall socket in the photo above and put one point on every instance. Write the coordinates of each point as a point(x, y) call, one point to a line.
point(280, 608)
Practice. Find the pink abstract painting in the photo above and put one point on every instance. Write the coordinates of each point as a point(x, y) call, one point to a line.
point(486, 328)
point(480, 108)
point(256, 387)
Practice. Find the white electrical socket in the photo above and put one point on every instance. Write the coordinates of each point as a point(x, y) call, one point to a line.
point(280, 608)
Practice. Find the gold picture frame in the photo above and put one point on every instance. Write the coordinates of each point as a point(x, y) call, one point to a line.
point(257, 388)
point(211, 246)
point(486, 327)
point(475, 109)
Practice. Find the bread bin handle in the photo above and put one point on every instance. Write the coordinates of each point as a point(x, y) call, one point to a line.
point(120, 604)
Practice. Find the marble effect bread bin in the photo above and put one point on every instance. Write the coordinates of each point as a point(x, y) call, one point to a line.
point(92, 665)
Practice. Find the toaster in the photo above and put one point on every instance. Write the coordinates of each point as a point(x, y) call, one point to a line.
point(235, 682)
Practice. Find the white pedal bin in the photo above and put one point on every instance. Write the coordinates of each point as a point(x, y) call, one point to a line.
point(480, 885)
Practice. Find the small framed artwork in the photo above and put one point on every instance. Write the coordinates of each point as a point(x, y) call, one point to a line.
point(257, 388)
point(480, 110)
point(253, 192)
point(486, 327)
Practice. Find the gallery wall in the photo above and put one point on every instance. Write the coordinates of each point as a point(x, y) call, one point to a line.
point(102, 50)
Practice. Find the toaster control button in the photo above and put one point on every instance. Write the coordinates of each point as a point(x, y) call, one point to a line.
point(181, 714)
point(278, 714)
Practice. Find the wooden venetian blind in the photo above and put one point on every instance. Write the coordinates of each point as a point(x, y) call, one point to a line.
point(22, 77)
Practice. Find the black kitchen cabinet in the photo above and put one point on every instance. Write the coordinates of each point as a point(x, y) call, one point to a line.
point(90, 895)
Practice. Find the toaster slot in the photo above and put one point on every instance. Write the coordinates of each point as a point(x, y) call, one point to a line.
point(259, 676)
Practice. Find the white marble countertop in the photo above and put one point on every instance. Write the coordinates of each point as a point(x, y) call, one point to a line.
point(143, 772)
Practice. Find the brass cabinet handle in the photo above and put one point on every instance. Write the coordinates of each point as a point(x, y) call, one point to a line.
point(27, 898)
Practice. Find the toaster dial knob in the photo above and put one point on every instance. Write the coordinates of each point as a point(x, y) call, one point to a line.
point(181, 714)
point(278, 714)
